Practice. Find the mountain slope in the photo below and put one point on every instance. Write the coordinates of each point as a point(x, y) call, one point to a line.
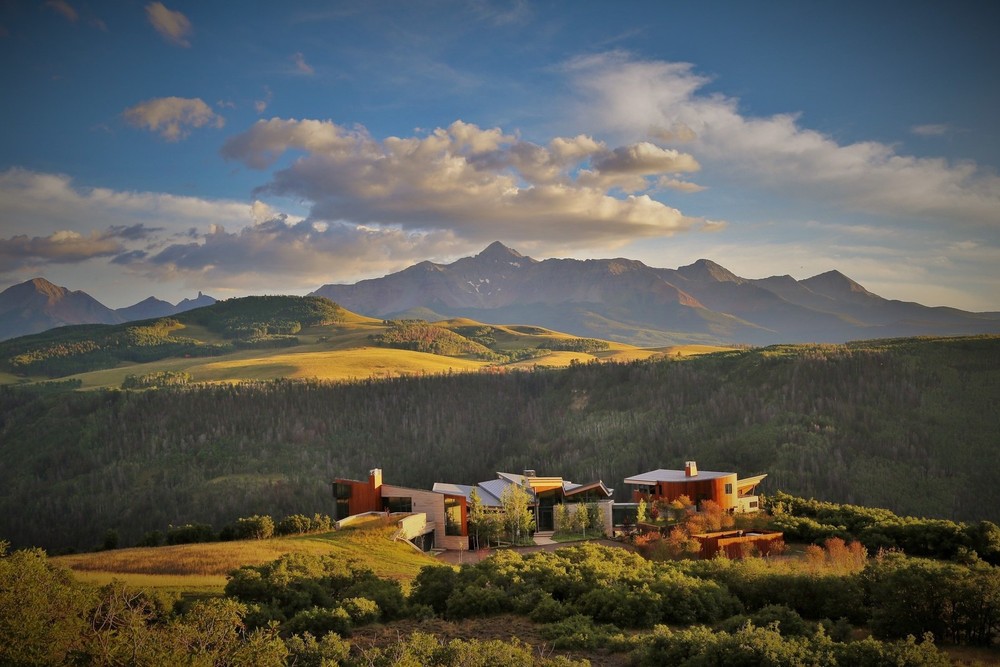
point(628, 301)
point(37, 305)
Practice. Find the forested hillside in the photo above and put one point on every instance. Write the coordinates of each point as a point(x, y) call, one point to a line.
point(909, 425)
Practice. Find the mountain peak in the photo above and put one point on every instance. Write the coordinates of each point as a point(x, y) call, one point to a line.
point(498, 252)
point(31, 289)
point(707, 270)
point(834, 281)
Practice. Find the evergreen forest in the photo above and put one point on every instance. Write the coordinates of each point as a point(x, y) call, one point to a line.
point(908, 425)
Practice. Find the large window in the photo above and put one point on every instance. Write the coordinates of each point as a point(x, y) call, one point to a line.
point(342, 492)
point(452, 516)
point(401, 504)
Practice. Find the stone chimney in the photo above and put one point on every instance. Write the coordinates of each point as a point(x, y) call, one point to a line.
point(690, 469)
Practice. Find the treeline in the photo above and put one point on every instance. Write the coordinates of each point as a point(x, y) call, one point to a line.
point(78, 349)
point(248, 322)
point(814, 521)
point(304, 609)
point(477, 341)
point(575, 345)
point(909, 426)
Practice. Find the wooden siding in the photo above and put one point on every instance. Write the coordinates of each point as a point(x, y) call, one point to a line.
point(365, 496)
point(699, 489)
point(733, 543)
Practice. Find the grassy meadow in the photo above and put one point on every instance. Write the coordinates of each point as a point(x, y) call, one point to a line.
point(344, 350)
point(202, 568)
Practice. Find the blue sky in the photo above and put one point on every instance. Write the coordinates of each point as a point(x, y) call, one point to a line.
point(164, 148)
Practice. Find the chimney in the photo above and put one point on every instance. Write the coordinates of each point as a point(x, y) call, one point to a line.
point(529, 473)
point(690, 469)
point(375, 479)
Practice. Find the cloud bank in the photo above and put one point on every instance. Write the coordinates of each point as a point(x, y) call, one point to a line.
point(471, 182)
point(639, 98)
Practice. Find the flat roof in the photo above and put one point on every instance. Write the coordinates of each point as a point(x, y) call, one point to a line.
point(662, 475)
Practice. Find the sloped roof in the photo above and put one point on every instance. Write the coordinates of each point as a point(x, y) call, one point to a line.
point(662, 475)
point(485, 497)
point(569, 488)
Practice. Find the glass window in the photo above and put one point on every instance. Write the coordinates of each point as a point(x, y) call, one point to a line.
point(452, 517)
point(403, 504)
point(729, 489)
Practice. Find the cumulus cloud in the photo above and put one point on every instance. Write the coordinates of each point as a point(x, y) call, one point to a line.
point(61, 247)
point(172, 116)
point(630, 98)
point(301, 66)
point(201, 243)
point(469, 181)
point(32, 202)
point(173, 26)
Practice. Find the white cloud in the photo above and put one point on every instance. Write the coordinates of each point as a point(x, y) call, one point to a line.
point(173, 26)
point(931, 130)
point(469, 181)
point(171, 116)
point(632, 98)
point(163, 237)
point(301, 66)
point(38, 203)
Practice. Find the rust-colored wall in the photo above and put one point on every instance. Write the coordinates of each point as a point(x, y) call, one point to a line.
point(365, 496)
point(694, 488)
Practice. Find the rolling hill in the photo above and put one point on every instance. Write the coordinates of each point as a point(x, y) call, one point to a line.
point(259, 338)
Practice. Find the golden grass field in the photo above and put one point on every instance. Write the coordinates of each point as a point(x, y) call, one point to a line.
point(343, 352)
point(202, 568)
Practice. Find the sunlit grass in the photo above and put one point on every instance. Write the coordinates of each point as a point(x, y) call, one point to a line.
point(343, 351)
point(203, 567)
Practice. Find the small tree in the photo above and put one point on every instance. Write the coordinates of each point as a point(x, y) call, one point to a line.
point(477, 514)
point(596, 518)
point(642, 511)
point(517, 517)
point(560, 517)
point(581, 519)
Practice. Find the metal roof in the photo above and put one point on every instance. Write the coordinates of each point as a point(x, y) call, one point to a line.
point(661, 475)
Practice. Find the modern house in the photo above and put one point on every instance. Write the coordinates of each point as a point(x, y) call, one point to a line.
point(545, 493)
point(725, 488)
point(446, 506)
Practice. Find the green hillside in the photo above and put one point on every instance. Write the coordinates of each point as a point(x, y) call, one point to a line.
point(909, 425)
point(277, 337)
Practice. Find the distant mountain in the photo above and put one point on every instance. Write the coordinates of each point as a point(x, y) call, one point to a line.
point(628, 301)
point(200, 301)
point(147, 309)
point(37, 305)
point(153, 307)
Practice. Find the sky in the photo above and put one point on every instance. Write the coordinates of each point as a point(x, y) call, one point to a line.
point(161, 149)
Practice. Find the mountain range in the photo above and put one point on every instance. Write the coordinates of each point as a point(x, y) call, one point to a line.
point(38, 305)
point(625, 300)
point(618, 299)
